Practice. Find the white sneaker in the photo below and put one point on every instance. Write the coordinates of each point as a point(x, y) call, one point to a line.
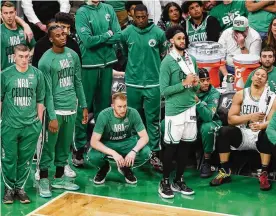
point(37, 175)
point(69, 172)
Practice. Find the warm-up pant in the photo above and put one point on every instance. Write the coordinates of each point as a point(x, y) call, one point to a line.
point(56, 146)
point(17, 150)
point(122, 147)
point(97, 84)
point(147, 100)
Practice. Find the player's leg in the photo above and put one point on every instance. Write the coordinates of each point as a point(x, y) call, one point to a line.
point(26, 149)
point(134, 98)
point(9, 153)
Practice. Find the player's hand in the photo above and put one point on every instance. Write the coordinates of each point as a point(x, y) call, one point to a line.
point(130, 158)
point(84, 116)
point(120, 161)
point(53, 126)
point(255, 126)
point(189, 80)
point(196, 99)
point(28, 33)
point(196, 80)
point(257, 117)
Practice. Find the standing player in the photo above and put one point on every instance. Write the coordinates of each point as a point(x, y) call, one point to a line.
point(113, 136)
point(11, 35)
point(178, 84)
point(22, 97)
point(61, 68)
point(143, 43)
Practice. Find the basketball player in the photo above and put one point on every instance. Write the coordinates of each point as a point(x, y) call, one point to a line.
point(248, 118)
point(22, 96)
point(113, 136)
point(62, 71)
point(178, 84)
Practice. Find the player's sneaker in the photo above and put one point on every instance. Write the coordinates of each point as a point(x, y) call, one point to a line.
point(8, 196)
point(23, 197)
point(69, 172)
point(156, 162)
point(180, 186)
point(64, 183)
point(77, 162)
point(264, 182)
point(128, 174)
point(102, 173)
point(165, 190)
point(205, 170)
point(37, 175)
point(44, 188)
point(221, 178)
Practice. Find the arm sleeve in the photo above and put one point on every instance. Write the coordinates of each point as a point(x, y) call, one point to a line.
point(85, 34)
point(32, 43)
point(28, 10)
point(64, 6)
point(163, 43)
point(138, 123)
point(124, 44)
point(255, 47)
point(116, 29)
point(100, 124)
point(78, 84)
point(223, 39)
point(213, 29)
point(40, 90)
point(208, 109)
point(49, 100)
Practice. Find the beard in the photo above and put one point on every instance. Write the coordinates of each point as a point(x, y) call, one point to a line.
point(179, 48)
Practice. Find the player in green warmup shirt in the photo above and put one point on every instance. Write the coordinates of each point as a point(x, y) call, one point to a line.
point(267, 60)
point(115, 134)
point(226, 12)
point(98, 29)
point(11, 35)
point(271, 131)
point(22, 98)
point(62, 71)
point(143, 43)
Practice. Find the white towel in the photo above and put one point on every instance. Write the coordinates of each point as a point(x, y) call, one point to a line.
point(186, 66)
point(263, 102)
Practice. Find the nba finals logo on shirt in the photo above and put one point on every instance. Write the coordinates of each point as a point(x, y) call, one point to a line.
point(107, 17)
point(13, 41)
point(152, 42)
point(65, 75)
point(22, 95)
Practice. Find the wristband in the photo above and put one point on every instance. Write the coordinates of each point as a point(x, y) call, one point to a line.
point(134, 151)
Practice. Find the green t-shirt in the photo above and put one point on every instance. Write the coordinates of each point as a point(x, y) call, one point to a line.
point(199, 33)
point(62, 73)
point(117, 5)
point(271, 130)
point(20, 93)
point(115, 129)
point(271, 80)
point(9, 39)
point(260, 20)
point(226, 13)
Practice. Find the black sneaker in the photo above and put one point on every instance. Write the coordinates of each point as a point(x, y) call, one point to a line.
point(205, 170)
point(128, 174)
point(23, 197)
point(180, 186)
point(156, 162)
point(101, 174)
point(8, 196)
point(77, 158)
point(165, 190)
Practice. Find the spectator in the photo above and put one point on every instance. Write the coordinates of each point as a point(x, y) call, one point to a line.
point(119, 7)
point(260, 15)
point(271, 36)
point(248, 118)
point(130, 6)
point(227, 11)
point(208, 5)
point(240, 39)
point(200, 26)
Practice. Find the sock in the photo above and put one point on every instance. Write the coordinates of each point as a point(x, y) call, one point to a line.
point(79, 154)
point(264, 168)
point(43, 174)
point(59, 172)
point(207, 160)
point(225, 166)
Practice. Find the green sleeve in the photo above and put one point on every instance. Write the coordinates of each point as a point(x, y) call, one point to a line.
point(85, 33)
point(49, 100)
point(249, 81)
point(124, 44)
point(271, 130)
point(40, 90)
point(100, 124)
point(138, 123)
point(164, 80)
point(195, 64)
point(116, 29)
point(32, 43)
point(163, 43)
point(207, 110)
point(78, 83)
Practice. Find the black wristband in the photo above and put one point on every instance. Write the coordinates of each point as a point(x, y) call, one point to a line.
point(134, 151)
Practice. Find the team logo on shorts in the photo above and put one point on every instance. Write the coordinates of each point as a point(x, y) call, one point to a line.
point(107, 17)
point(152, 42)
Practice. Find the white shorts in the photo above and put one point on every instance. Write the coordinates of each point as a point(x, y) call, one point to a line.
point(181, 127)
point(249, 140)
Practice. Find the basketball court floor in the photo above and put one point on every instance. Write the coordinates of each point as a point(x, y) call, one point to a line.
point(116, 198)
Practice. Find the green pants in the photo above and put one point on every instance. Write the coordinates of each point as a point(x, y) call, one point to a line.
point(58, 144)
point(97, 84)
point(123, 147)
point(17, 150)
point(147, 100)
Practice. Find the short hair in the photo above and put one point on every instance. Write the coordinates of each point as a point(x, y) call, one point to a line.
point(21, 47)
point(171, 31)
point(7, 4)
point(66, 18)
point(119, 95)
point(140, 7)
point(268, 49)
point(130, 3)
point(261, 68)
point(50, 21)
point(52, 28)
point(185, 6)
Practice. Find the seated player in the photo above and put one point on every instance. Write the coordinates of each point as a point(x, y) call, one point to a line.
point(248, 117)
point(207, 102)
point(115, 135)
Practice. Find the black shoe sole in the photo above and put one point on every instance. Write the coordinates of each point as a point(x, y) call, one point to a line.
point(215, 185)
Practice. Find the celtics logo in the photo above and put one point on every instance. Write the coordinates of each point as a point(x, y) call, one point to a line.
point(152, 42)
point(107, 17)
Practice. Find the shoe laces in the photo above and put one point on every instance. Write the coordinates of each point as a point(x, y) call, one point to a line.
point(222, 174)
point(166, 185)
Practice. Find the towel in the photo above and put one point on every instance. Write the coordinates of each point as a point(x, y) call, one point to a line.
point(186, 66)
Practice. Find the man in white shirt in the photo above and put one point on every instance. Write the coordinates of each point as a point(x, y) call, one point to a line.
point(240, 39)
